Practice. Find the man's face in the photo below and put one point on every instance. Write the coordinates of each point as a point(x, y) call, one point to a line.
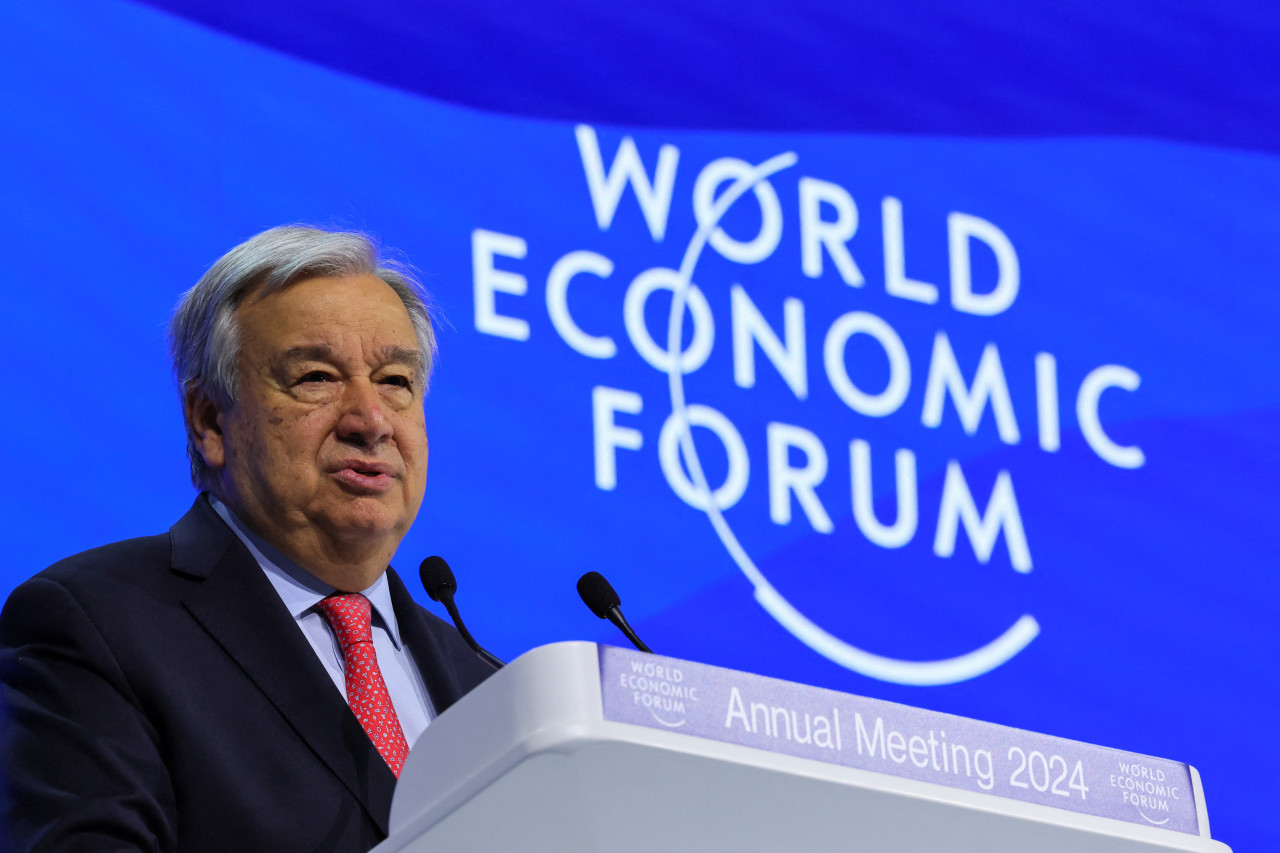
point(325, 448)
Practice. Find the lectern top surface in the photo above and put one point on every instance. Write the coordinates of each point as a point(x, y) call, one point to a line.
point(585, 748)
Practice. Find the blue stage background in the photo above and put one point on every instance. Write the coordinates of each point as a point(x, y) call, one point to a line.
point(1107, 177)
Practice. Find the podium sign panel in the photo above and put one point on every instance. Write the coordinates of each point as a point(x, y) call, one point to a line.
point(870, 734)
point(574, 747)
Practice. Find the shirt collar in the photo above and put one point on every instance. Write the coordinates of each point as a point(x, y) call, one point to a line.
point(300, 590)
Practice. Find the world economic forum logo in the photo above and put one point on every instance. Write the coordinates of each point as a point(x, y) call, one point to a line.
point(828, 219)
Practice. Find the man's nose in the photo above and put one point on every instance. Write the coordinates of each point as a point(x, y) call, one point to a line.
point(363, 420)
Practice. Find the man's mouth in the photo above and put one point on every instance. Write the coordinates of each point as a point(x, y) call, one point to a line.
point(362, 475)
point(366, 467)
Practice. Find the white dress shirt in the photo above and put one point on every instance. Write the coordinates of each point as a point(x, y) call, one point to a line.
point(301, 591)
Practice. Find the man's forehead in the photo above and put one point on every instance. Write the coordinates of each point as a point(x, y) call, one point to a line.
point(310, 287)
point(332, 319)
point(326, 310)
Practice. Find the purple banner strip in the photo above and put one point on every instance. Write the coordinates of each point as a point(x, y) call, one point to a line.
point(870, 734)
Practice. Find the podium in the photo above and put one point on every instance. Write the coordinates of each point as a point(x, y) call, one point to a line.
point(578, 747)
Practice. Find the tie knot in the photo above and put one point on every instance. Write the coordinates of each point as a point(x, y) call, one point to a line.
point(349, 614)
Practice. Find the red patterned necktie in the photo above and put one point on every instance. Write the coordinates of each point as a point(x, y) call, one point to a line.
point(366, 692)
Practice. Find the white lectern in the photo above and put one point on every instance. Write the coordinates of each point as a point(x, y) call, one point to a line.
point(578, 747)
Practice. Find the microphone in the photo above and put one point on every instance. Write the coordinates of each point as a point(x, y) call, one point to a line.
point(438, 581)
point(599, 595)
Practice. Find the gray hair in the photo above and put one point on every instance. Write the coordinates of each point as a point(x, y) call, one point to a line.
point(204, 336)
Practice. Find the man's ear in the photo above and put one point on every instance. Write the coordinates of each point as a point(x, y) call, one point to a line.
point(205, 418)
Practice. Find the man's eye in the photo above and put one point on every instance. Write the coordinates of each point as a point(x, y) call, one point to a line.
point(315, 376)
point(398, 381)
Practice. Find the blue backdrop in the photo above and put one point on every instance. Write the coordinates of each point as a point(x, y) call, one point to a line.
point(976, 309)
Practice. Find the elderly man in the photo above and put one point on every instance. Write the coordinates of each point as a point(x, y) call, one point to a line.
point(252, 679)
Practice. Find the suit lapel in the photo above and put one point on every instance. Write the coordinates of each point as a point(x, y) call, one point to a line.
point(439, 674)
point(238, 607)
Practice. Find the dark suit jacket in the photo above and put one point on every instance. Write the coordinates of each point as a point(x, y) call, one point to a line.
point(160, 697)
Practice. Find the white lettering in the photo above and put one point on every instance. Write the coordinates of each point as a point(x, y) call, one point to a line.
point(488, 280)
point(874, 405)
point(606, 190)
point(961, 227)
point(1047, 401)
point(669, 456)
point(558, 280)
point(874, 743)
point(1001, 514)
point(608, 435)
point(737, 711)
point(815, 232)
point(757, 248)
point(904, 527)
point(919, 751)
point(638, 293)
point(785, 480)
point(988, 384)
point(750, 328)
point(1099, 380)
point(896, 282)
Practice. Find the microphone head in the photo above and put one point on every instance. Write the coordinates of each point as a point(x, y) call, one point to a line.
point(598, 594)
point(437, 578)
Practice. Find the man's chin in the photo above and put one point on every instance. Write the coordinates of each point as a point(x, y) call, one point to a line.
point(366, 520)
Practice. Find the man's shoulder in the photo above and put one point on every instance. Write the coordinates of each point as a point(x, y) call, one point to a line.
point(114, 560)
point(100, 579)
point(114, 556)
point(139, 567)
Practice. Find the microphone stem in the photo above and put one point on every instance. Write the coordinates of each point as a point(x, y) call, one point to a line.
point(492, 660)
point(616, 617)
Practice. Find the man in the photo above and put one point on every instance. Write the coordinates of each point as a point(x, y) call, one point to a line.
point(219, 687)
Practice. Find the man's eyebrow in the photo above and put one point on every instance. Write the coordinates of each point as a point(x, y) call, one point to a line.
point(392, 354)
point(309, 352)
point(403, 355)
